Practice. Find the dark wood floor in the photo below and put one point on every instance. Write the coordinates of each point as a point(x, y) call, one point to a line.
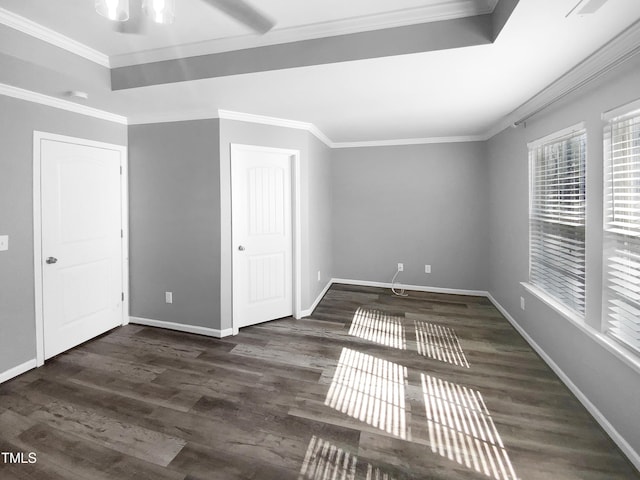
point(370, 387)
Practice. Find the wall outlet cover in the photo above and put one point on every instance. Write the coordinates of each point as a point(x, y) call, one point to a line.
point(427, 269)
point(4, 242)
point(401, 267)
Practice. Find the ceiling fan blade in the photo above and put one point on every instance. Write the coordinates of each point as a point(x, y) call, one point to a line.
point(591, 6)
point(136, 24)
point(587, 7)
point(244, 13)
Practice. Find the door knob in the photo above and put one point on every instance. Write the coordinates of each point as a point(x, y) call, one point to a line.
point(241, 248)
point(51, 260)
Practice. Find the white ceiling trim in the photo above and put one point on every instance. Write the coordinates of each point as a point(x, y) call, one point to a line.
point(277, 122)
point(29, 96)
point(310, 127)
point(173, 117)
point(36, 30)
point(621, 48)
point(298, 125)
point(411, 141)
point(230, 115)
point(398, 18)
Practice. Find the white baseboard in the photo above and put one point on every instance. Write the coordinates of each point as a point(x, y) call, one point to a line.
point(627, 449)
point(209, 332)
point(417, 288)
point(15, 371)
point(309, 311)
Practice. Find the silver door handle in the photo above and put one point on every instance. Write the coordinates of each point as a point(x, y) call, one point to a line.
point(241, 248)
point(51, 260)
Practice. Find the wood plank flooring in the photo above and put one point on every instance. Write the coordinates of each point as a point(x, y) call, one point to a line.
point(371, 387)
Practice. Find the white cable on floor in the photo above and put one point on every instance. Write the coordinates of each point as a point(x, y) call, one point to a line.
point(401, 293)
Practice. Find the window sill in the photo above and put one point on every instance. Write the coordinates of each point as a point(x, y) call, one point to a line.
point(553, 303)
point(603, 340)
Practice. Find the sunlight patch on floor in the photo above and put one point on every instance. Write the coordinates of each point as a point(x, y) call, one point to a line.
point(439, 343)
point(461, 428)
point(371, 390)
point(379, 327)
point(326, 461)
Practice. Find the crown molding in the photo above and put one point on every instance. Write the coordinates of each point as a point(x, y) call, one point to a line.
point(310, 127)
point(277, 122)
point(295, 124)
point(411, 141)
point(321, 136)
point(29, 96)
point(230, 115)
point(399, 18)
point(253, 118)
point(614, 53)
point(207, 114)
point(45, 34)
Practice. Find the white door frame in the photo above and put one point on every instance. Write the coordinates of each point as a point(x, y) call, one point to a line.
point(296, 226)
point(38, 137)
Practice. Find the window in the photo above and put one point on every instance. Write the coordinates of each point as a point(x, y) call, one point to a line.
point(621, 303)
point(557, 216)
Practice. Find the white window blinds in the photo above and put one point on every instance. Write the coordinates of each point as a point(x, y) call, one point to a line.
point(557, 212)
point(622, 230)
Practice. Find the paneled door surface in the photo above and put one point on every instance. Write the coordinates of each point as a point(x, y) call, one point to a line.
point(81, 243)
point(262, 235)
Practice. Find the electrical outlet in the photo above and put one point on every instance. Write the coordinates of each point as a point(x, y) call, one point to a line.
point(401, 267)
point(427, 269)
point(4, 242)
point(168, 297)
point(522, 303)
point(319, 275)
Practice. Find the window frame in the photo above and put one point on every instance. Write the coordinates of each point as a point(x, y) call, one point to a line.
point(612, 235)
point(554, 296)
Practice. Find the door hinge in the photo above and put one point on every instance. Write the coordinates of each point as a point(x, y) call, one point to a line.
point(120, 169)
point(123, 296)
point(121, 233)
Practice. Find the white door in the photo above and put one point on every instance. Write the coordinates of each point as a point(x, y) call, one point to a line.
point(262, 235)
point(82, 249)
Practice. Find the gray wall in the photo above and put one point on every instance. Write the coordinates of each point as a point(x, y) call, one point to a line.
point(609, 383)
point(18, 121)
point(315, 202)
point(174, 205)
point(417, 205)
point(318, 221)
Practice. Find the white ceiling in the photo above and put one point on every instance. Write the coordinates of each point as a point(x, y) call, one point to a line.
point(197, 23)
point(448, 93)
